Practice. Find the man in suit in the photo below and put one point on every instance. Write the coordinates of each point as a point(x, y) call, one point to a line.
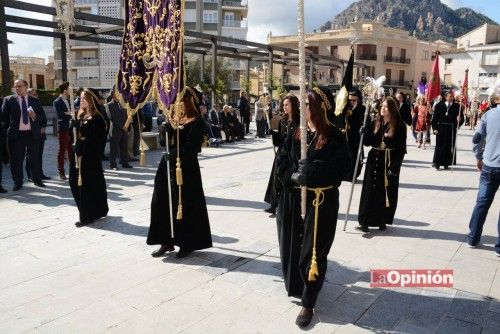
point(43, 137)
point(244, 107)
point(23, 118)
point(119, 134)
point(216, 121)
point(404, 109)
point(63, 112)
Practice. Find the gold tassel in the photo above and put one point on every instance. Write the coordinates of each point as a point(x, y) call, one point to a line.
point(178, 172)
point(142, 161)
point(79, 162)
point(313, 271)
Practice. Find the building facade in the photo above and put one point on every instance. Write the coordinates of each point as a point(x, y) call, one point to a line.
point(479, 52)
point(34, 70)
point(402, 58)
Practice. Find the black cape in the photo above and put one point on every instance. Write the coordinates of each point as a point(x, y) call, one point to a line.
point(90, 198)
point(372, 205)
point(444, 120)
point(350, 121)
point(323, 167)
point(193, 231)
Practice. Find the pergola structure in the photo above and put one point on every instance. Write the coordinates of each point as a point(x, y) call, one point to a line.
point(195, 43)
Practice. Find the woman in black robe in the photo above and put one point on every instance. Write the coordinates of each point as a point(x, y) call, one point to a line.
point(327, 163)
point(192, 232)
point(288, 220)
point(87, 181)
point(289, 105)
point(379, 195)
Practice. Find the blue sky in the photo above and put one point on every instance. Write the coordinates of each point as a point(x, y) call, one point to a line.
point(278, 16)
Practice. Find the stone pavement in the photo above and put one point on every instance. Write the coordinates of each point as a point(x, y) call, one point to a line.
point(56, 278)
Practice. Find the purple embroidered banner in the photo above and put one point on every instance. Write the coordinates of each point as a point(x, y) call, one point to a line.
point(151, 61)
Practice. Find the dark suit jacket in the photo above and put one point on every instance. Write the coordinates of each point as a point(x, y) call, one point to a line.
point(11, 114)
point(213, 117)
point(405, 112)
point(244, 107)
point(118, 116)
point(62, 119)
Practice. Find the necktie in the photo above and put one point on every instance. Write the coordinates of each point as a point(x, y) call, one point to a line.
point(24, 110)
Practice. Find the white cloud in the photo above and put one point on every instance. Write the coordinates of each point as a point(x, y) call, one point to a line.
point(454, 4)
point(280, 16)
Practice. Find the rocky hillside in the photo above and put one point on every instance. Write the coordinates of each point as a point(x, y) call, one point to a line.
point(426, 19)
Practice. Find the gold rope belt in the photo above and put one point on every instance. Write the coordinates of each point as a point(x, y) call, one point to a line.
point(387, 163)
point(318, 200)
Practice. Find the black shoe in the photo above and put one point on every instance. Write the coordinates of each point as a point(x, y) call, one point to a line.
point(83, 223)
point(127, 166)
point(446, 167)
point(162, 250)
point(113, 167)
point(182, 253)
point(272, 215)
point(30, 179)
point(39, 184)
point(270, 210)
point(45, 177)
point(382, 227)
point(304, 318)
point(362, 228)
point(18, 187)
point(2, 190)
point(133, 159)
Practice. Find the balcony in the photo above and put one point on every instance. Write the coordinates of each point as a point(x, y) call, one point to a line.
point(85, 82)
point(79, 62)
point(78, 43)
point(234, 24)
point(234, 3)
point(366, 57)
point(399, 83)
point(399, 60)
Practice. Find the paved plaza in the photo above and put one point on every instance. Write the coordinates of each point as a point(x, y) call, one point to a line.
point(56, 278)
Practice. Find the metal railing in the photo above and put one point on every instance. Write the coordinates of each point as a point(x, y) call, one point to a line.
point(366, 57)
point(82, 82)
point(84, 43)
point(399, 60)
point(79, 62)
point(234, 3)
point(234, 23)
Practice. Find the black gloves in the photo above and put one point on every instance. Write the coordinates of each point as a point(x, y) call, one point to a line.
point(299, 177)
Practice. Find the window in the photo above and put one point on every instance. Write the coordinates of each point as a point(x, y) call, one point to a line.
point(424, 75)
point(313, 49)
point(425, 55)
point(210, 16)
point(389, 51)
point(388, 75)
point(210, 1)
point(448, 61)
point(334, 51)
point(190, 15)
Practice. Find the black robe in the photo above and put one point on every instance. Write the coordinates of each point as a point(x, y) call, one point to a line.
point(193, 231)
point(324, 167)
point(444, 120)
point(350, 121)
point(372, 205)
point(288, 220)
point(91, 197)
point(274, 189)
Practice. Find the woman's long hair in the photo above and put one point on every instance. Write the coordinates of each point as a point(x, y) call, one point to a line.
point(318, 111)
point(294, 117)
point(92, 102)
point(395, 117)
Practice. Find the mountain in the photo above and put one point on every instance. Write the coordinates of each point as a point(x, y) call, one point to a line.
point(426, 19)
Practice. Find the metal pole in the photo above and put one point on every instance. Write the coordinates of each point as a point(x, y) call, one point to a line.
point(302, 95)
point(455, 136)
point(214, 64)
point(169, 177)
point(202, 67)
point(270, 73)
point(64, 59)
point(311, 71)
point(4, 50)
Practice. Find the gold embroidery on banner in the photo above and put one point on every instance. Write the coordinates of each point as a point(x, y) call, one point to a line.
point(153, 6)
point(135, 82)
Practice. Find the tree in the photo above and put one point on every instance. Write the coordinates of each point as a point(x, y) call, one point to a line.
point(420, 24)
point(439, 27)
point(223, 74)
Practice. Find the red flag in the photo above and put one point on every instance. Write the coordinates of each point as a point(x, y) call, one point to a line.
point(434, 84)
point(465, 89)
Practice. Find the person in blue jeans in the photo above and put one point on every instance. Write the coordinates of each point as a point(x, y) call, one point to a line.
point(487, 135)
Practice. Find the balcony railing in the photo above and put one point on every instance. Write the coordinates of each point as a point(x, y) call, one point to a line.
point(366, 57)
point(81, 82)
point(79, 62)
point(234, 3)
point(234, 23)
point(399, 60)
point(400, 83)
point(84, 43)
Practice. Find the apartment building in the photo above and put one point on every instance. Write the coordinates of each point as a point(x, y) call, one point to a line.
point(380, 50)
point(95, 64)
point(479, 52)
point(32, 69)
